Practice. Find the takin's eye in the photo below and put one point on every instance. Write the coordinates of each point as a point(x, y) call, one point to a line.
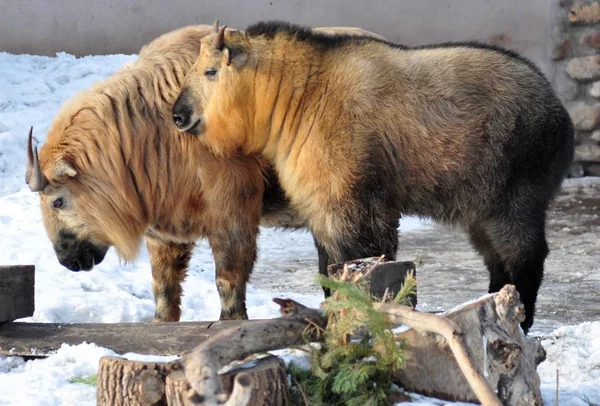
point(210, 72)
point(58, 203)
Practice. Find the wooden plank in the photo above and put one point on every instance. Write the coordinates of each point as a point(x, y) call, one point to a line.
point(26, 339)
point(17, 291)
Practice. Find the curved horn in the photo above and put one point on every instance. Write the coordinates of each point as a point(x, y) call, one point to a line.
point(220, 41)
point(34, 176)
point(215, 27)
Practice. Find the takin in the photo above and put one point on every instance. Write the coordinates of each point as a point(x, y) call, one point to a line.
point(109, 174)
point(362, 132)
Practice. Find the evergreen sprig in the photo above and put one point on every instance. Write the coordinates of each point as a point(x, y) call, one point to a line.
point(349, 371)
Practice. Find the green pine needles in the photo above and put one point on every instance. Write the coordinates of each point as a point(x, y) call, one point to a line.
point(348, 371)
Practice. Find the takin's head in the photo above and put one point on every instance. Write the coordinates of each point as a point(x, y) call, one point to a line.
point(227, 90)
point(73, 250)
point(222, 55)
point(83, 212)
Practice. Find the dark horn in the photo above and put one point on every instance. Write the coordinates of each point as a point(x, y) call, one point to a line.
point(35, 179)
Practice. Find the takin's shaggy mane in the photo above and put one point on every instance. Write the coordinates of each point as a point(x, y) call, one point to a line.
point(362, 132)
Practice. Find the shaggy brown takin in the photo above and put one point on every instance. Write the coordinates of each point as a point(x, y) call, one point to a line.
point(110, 174)
point(362, 131)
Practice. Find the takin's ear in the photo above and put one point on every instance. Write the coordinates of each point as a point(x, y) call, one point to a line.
point(215, 27)
point(236, 56)
point(64, 169)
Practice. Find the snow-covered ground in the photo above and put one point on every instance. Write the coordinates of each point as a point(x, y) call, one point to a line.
point(32, 89)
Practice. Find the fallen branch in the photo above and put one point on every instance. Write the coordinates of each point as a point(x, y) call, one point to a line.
point(484, 333)
point(432, 323)
point(297, 324)
point(495, 344)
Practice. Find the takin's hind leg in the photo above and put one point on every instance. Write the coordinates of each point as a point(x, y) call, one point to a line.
point(520, 240)
point(483, 245)
point(235, 253)
point(370, 241)
point(169, 262)
point(324, 262)
point(365, 240)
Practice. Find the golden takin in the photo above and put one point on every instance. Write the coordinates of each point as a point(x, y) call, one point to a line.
point(362, 131)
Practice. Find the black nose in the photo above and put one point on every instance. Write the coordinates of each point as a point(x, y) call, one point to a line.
point(179, 120)
point(182, 111)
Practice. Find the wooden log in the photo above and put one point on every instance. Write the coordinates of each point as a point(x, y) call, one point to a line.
point(17, 291)
point(495, 342)
point(488, 339)
point(427, 323)
point(42, 339)
point(201, 365)
point(121, 382)
point(385, 276)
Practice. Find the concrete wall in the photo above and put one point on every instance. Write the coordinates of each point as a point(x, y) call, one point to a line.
point(84, 27)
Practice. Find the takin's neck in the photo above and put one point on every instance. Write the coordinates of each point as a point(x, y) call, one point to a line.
point(163, 171)
point(289, 79)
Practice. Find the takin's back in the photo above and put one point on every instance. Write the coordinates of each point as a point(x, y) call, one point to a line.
point(442, 90)
point(454, 120)
point(457, 113)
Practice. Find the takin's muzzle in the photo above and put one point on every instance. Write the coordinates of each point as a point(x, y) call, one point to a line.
point(77, 254)
point(184, 116)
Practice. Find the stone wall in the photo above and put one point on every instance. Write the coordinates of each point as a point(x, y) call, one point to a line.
point(577, 56)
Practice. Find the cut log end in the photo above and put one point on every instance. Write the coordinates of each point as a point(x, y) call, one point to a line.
point(124, 382)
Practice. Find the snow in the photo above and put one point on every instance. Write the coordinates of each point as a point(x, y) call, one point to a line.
point(575, 352)
point(32, 88)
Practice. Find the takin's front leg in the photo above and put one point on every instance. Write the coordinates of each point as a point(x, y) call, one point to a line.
point(169, 263)
point(234, 251)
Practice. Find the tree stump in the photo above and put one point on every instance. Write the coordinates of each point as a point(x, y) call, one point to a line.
point(386, 276)
point(132, 383)
point(17, 283)
point(495, 342)
point(269, 382)
point(121, 382)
